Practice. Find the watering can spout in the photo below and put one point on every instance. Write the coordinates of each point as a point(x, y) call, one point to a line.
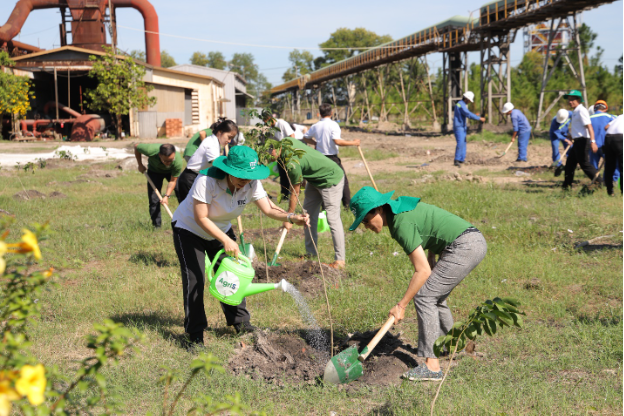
point(283, 284)
point(255, 288)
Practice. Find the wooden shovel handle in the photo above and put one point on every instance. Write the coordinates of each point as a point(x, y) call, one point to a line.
point(508, 147)
point(281, 241)
point(158, 194)
point(240, 225)
point(373, 343)
point(367, 169)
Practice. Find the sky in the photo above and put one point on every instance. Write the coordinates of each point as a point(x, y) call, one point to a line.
point(289, 25)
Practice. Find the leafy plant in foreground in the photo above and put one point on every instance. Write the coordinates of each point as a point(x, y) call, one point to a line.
point(486, 318)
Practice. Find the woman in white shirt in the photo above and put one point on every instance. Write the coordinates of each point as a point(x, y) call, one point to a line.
point(210, 148)
point(202, 226)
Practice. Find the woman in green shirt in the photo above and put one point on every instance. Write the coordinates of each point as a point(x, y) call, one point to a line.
point(417, 227)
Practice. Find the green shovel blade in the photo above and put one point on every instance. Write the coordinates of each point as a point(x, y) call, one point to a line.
point(343, 367)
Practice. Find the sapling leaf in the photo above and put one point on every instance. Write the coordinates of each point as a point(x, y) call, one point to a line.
point(504, 317)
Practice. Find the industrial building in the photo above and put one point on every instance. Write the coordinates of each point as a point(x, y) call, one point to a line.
point(235, 87)
point(192, 100)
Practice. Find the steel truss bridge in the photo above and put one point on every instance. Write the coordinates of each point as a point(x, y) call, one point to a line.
point(491, 33)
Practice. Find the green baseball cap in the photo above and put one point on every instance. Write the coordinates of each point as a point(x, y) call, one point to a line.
point(242, 162)
point(367, 199)
point(574, 94)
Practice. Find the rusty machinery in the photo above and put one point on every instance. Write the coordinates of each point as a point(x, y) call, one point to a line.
point(88, 24)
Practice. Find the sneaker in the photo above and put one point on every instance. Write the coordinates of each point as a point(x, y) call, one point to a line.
point(336, 265)
point(422, 373)
point(457, 163)
point(244, 327)
point(559, 170)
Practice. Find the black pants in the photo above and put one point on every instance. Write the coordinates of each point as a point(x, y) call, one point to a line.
point(154, 202)
point(192, 250)
point(185, 183)
point(346, 192)
point(612, 150)
point(284, 182)
point(579, 155)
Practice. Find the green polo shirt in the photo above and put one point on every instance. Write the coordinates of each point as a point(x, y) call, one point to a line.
point(314, 167)
point(154, 164)
point(428, 226)
point(194, 142)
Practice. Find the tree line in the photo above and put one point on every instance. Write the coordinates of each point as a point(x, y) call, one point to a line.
point(408, 91)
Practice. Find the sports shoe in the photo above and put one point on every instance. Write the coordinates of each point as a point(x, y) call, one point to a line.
point(422, 373)
point(336, 265)
point(559, 170)
point(457, 163)
point(244, 327)
point(194, 341)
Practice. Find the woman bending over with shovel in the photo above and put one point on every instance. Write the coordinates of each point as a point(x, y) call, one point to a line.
point(417, 227)
point(202, 226)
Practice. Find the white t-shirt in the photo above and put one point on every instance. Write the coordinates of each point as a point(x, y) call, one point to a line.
point(284, 130)
point(208, 150)
point(224, 207)
point(616, 126)
point(580, 119)
point(299, 131)
point(325, 132)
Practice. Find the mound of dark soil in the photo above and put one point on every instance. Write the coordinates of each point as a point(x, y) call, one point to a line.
point(28, 195)
point(305, 276)
point(279, 358)
point(530, 169)
point(384, 366)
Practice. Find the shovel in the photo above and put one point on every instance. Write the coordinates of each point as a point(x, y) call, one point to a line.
point(559, 169)
point(247, 249)
point(279, 248)
point(158, 194)
point(505, 152)
point(370, 175)
point(347, 366)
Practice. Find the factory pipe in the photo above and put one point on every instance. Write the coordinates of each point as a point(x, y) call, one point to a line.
point(20, 12)
point(62, 107)
point(150, 18)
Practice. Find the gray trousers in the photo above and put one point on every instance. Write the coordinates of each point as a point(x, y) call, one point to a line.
point(330, 198)
point(456, 262)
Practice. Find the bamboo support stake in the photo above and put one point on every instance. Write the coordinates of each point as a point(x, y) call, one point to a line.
point(367, 169)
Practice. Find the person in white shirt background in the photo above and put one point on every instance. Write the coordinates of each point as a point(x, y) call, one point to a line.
point(327, 135)
point(284, 130)
point(612, 150)
point(223, 131)
point(582, 133)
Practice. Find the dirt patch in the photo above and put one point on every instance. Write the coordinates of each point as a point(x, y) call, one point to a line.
point(286, 357)
point(279, 358)
point(305, 276)
point(28, 195)
point(56, 194)
point(100, 174)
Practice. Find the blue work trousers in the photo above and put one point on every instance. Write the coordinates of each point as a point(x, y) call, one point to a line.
point(523, 144)
point(594, 158)
point(460, 150)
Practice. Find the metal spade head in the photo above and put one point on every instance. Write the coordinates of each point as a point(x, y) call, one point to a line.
point(344, 367)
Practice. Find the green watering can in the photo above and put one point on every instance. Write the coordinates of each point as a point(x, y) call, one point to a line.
point(232, 281)
point(323, 225)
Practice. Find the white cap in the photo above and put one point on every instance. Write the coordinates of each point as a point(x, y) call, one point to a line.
point(469, 95)
point(507, 108)
point(562, 116)
point(591, 110)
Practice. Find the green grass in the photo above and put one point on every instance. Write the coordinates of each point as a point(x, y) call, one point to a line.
point(370, 154)
point(566, 360)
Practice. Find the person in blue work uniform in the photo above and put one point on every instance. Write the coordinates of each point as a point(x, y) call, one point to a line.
point(461, 113)
point(521, 130)
point(559, 135)
point(599, 120)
